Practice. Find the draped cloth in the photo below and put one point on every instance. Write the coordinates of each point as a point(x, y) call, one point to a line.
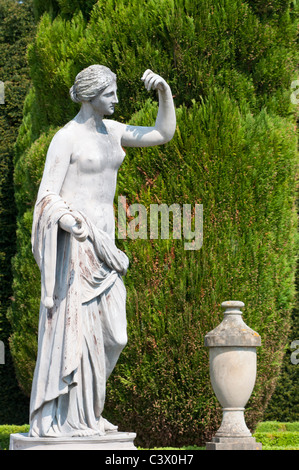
point(82, 323)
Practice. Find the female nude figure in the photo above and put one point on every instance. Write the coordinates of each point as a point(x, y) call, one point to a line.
point(82, 327)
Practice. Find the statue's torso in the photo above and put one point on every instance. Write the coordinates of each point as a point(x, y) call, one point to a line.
point(90, 181)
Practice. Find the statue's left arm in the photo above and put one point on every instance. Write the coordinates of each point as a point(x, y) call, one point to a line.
point(164, 129)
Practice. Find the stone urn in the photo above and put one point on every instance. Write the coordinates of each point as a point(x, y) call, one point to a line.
point(233, 363)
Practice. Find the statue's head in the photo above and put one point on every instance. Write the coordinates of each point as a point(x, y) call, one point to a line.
point(91, 82)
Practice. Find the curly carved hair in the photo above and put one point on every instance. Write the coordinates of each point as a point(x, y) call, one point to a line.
point(90, 82)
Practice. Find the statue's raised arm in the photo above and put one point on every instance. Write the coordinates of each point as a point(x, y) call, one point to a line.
point(164, 129)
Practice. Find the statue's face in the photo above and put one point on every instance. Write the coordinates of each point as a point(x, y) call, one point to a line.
point(105, 102)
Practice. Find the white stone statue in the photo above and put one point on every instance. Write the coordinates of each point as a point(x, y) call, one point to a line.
point(82, 326)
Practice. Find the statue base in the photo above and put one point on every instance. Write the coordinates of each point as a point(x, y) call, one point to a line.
point(231, 443)
point(111, 441)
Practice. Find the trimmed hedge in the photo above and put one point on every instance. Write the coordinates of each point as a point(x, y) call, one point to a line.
point(278, 436)
point(276, 426)
point(7, 430)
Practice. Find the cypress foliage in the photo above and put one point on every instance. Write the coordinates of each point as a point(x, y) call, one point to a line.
point(230, 65)
point(16, 29)
point(284, 404)
point(42, 6)
point(65, 8)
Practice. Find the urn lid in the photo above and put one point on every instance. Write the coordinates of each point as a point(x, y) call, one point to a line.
point(232, 331)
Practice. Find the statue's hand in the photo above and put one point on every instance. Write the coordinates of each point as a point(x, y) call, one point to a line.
point(153, 81)
point(79, 230)
point(75, 226)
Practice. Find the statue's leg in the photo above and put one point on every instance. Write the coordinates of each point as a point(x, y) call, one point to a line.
point(112, 310)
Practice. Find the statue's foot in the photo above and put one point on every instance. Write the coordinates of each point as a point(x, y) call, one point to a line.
point(105, 426)
point(86, 433)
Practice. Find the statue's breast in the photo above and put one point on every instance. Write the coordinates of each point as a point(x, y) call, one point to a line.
point(98, 153)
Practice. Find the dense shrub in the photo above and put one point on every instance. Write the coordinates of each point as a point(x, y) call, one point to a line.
point(16, 30)
point(230, 66)
point(284, 404)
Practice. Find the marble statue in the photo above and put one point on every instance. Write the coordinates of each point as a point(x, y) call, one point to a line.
point(82, 325)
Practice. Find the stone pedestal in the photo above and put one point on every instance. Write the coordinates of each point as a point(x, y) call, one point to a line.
point(229, 443)
point(232, 350)
point(112, 441)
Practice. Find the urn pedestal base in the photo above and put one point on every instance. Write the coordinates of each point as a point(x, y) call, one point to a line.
point(233, 443)
point(233, 433)
point(233, 424)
